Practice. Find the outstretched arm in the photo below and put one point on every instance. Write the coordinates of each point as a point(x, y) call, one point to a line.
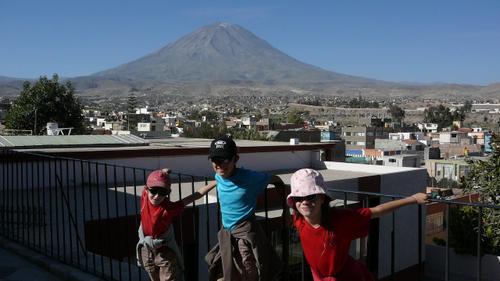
point(382, 209)
point(199, 193)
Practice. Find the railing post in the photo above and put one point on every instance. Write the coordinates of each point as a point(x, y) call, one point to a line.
point(479, 234)
point(207, 221)
point(129, 267)
point(115, 189)
point(285, 234)
point(447, 259)
point(393, 244)
point(266, 210)
point(179, 183)
point(420, 229)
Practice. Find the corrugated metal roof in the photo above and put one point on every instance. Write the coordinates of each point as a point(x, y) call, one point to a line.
point(71, 140)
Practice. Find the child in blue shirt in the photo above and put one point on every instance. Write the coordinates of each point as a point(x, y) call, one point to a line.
point(238, 189)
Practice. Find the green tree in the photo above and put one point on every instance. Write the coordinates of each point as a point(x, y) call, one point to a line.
point(467, 107)
point(131, 112)
point(447, 183)
point(295, 117)
point(461, 112)
point(439, 114)
point(46, 100)
point(131, 103)
point(397, 113)
point(483, 178)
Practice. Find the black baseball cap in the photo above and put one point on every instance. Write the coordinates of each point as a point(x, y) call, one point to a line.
point(223, 147)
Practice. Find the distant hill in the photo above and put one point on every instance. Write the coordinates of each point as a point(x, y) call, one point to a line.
point(10, 86)
point(8, 79)
point(224, 52)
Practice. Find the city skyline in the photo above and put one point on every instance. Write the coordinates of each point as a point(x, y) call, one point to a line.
point(424, 42)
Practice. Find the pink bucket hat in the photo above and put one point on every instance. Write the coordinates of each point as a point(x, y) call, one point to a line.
point(159, 178)
point(305, 182)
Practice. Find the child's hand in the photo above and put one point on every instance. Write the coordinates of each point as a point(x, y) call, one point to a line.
point(148, 242)
point(420, 198)
point(157, 243)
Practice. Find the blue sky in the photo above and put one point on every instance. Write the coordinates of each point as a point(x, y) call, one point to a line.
point(423, 41)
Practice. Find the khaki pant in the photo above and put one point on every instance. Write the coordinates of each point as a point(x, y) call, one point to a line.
point(247, 261)
point(161, 265)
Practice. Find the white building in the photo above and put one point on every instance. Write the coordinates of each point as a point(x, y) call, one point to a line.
point(149, 127)
point(428, 127)
point(407, 136)
point(402, 160)
point(452, 137)
point(143, 110)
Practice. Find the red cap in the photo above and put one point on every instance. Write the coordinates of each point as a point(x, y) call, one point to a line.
point(159, 178)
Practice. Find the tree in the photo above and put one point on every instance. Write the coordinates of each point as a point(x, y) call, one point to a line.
point(467, 107)
point(397, 113)
point(439, 114)
point(461, 113)
point(45, 101)
point(131, 112)
point(131, 104)
point(295, 117)
point(483, 178)
point(447, 183)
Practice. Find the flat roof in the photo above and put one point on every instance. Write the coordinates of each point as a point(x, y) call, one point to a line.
point(165, 146)
point(198, 142)
point(70, 141)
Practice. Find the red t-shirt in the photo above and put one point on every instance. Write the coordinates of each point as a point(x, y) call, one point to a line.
point(155, 220)
point(328, 252)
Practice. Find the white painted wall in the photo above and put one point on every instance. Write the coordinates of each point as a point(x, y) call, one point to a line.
point(406, 221)
point(199, 165)
point(394, 181)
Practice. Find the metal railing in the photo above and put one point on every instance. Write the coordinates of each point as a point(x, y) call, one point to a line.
point(364, 198)
point(86, 214)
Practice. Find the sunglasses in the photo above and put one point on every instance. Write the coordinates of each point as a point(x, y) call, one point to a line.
point(309, 198)
point(221, 161)
point(160, 191)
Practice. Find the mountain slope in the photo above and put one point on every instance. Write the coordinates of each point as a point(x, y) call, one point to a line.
point(225, 52)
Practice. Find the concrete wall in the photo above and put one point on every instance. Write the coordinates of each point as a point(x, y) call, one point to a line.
point(199, 165)
point(406, 221)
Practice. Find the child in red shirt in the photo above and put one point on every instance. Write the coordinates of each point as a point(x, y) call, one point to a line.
point(326, 233)
point(157, 250)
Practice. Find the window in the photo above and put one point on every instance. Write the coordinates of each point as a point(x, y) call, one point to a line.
point(392, 160)
point(369, 134)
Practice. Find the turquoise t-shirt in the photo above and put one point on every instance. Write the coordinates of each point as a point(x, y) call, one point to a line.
point(238, 195)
